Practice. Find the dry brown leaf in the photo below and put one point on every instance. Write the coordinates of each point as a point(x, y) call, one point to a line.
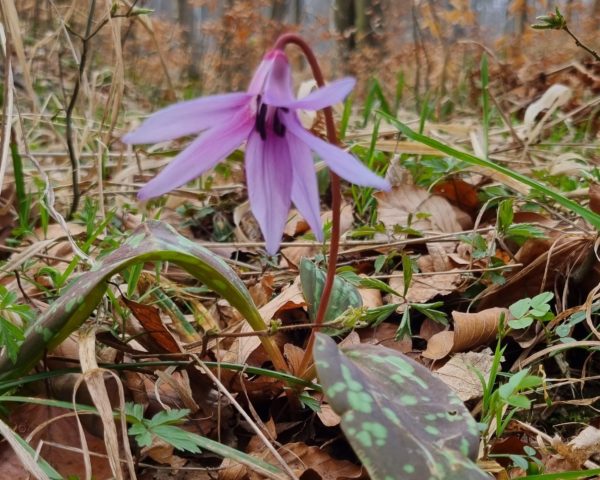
point(459, 373)
point(476, 329)
point(353, 338)
point(572, 455)
point(399, 147)
point(289, 299)
point(531, 250)
point(429, 328)
point(262, 291)
point(395, 207)
point(385, 335)
point(315, 462)
point(96, 385)
point(371, 297)
point(246, 226)
point(300, 457)
point(460, 193)
point(327, 416)
point(534, 217)
point(149, 317)
point(162, 452)
point(424, 287)
point(556, 96)
point(439, 345)
point(63, 431)
point(295, 224)
point(595, 197)
point(292, 255)
point(564, 255)
point(294, 356)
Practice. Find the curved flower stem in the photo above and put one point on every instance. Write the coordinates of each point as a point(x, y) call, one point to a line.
point(336, 195)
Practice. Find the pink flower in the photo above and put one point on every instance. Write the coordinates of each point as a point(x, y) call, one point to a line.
point(279, 163)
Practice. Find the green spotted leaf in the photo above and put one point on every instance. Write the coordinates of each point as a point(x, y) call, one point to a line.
point(152, 241)
point(344, 295)
point(401, 421)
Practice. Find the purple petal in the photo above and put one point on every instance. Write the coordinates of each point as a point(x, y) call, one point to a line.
point(278, 88)
point(326, 96)
point(202, 154)
point(189, 117)
point(260, 75)
point(341, 162)
point(305, 191)
point(269, 178)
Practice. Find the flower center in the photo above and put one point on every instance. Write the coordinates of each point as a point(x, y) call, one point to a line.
point(267, 118)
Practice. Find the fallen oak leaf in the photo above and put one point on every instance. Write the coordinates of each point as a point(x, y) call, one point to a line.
point(149, 317)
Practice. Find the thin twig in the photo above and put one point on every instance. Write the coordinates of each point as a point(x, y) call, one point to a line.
point(581, 45)
point(69, 112)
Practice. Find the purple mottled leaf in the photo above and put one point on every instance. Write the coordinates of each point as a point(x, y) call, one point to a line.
point(152, 241)
point(401, 421)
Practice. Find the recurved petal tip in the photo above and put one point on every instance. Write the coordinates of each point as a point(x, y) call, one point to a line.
point(128, 138)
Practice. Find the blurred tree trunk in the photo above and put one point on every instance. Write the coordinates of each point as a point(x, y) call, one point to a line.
point(279, 10)
point(298, 6)
point(368, 22)
point(344, 23)
point(225, 41)
point(359, 23)
point(521, 17)
point(596, 14)
point(569, 9)
point(187, 21)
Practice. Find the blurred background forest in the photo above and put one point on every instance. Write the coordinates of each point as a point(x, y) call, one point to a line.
point(203, 46)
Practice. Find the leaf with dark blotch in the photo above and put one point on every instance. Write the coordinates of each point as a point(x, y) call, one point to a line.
point(344, 295)
point(401, 421)
point(149, 317)
point(152, 241)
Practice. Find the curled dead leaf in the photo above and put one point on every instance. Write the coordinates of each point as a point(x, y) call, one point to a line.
point(439, 345)
point(476, 329)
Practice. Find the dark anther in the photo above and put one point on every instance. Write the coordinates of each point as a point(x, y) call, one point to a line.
point(261, 121)
point(278, 127)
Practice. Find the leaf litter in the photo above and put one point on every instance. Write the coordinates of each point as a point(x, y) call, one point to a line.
point(433, 249)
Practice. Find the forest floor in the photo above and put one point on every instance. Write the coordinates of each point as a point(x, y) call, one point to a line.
point(151, 340)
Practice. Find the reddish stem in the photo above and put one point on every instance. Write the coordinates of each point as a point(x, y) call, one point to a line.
point(336, 194)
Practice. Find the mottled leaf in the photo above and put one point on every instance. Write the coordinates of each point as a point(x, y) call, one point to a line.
point(152, 241)
point(401, 421)
point(343, 294)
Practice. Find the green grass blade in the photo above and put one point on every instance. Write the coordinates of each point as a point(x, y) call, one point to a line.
point(591, 217)
point(20, 191)
point(346, 116)
point(565, 475)
point(236, 367)
point(485, 103)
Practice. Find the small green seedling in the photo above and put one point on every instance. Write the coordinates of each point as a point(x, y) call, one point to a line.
point(527, 310)
point(14, 317)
